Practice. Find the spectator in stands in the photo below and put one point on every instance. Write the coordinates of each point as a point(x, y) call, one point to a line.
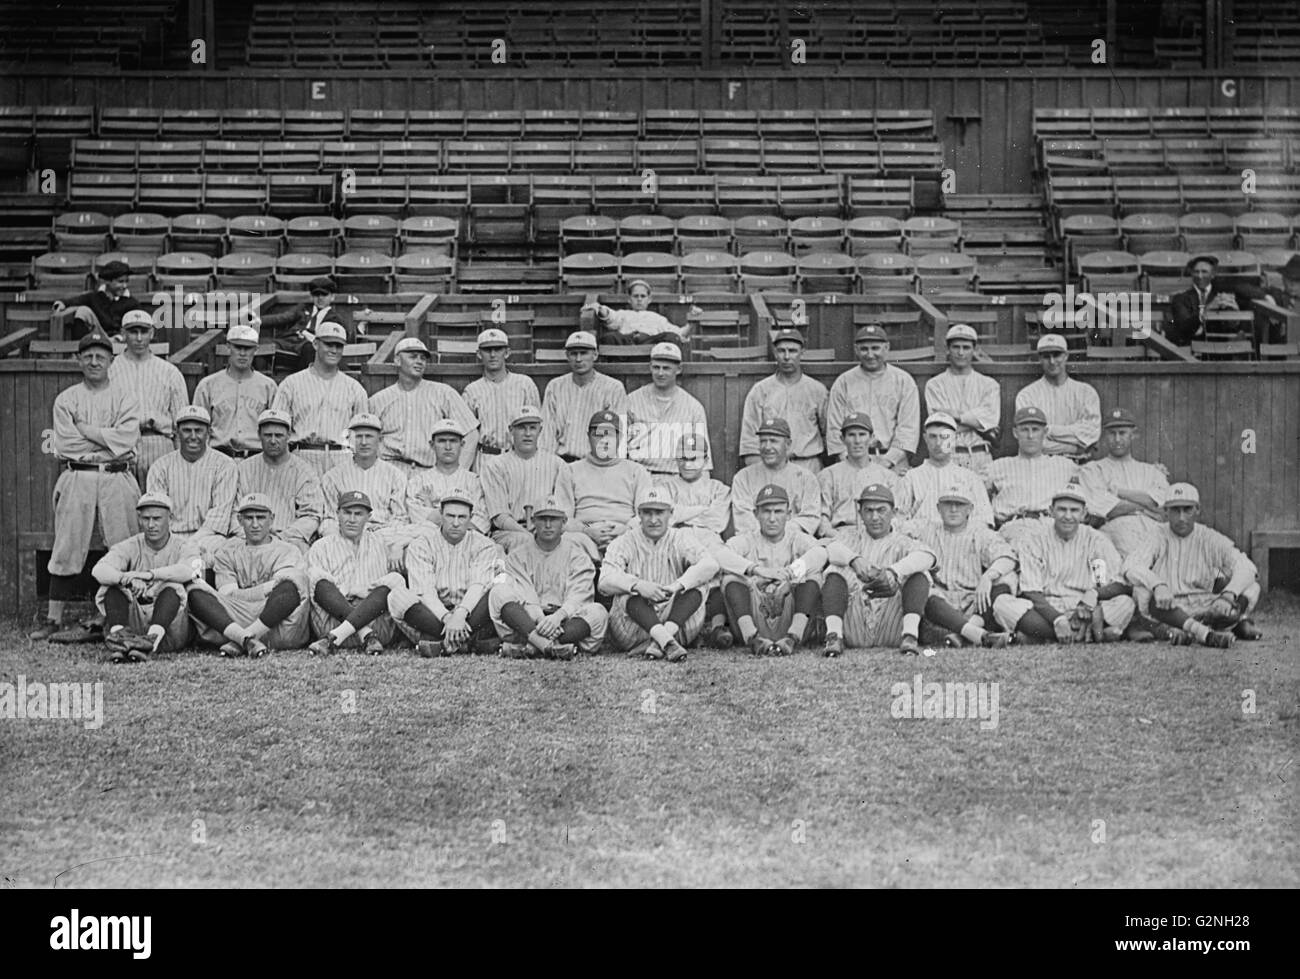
point(104, 307)
point(640, 324)
point(1072, 408)
point(1188, 308)
point(295, 328)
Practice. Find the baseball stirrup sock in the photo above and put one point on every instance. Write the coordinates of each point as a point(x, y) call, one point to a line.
point(1035, 626)
point(805, 598)
point(284, 598)
point(685, 604)
point(575, 630)
point(640, 611)
point(916, 589)
point(369, 608)
point(207, 608)
point(333, 601)
point(739, 599)
point(421, 617)
point(835, 598)
point(516, 616)
point(941, 613)
point(117, 608)
point(165, 608)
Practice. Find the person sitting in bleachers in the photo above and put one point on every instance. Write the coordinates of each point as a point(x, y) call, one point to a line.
point(1187, 309)
point(637, 325)
point(294, 329)
point(101, 310)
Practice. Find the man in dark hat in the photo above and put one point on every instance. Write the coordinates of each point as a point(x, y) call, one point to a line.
point(102, 308)
point(296, 327)
point(1189, 308)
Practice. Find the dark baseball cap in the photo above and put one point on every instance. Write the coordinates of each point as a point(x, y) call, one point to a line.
point(1120, 418)
point(792, 335)
point(774, 426)
point(354, 498)
point(605, 417)
point(876, 493)
point(859, 419)
point(1029, 414)
point(770, 494)
point(872, 331)
point(95, 339)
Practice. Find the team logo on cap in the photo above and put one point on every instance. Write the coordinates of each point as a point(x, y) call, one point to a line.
point(154, 499)
point(771, 494)
point(654, 499)
point(255, 501)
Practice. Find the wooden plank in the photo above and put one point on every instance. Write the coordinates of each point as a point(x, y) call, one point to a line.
point(202, 348)
point(16, 342)
point(385, 351)
point(9, 480)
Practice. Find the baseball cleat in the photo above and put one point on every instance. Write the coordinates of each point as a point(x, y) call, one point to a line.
point(516, 650)
point(232, 650)
point(1245, 629)
point(77, 634)
point(255, 648)
point(758, 646)
point(674, 652)
point(785, 646)
point(995, 640)
point(562, 650)
point(374, 646)
point(909, 646)
point(117, 654)
point(1220, 640)
point(486, 647)
point(1139, 634)
point(953, 640)
point(834, 646)
point(429, 648)
point(322, 647)
point(45, 630)
point(641, 650)
point(719, 637)
point(1176, 637)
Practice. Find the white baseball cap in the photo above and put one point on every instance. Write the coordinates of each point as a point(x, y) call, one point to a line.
point(941, 418)
point(653, 498)
point(274, 416)
point(409, 344)
point(242, 334)
point(136, 317)
point(1051, 341)
point(493, 337)
point(330, 330)
point(666, 351)
point(193, 413)
point(446, 426)
point(1183, 493)
point(154, 499)
point(962, 331)
point(525, 415)
point(365, 419)
point(580, 339)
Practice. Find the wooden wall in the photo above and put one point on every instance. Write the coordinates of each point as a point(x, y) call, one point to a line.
point(1193, 415)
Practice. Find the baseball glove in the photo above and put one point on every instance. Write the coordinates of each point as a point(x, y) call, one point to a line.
point(772, 600)
point(881, 583)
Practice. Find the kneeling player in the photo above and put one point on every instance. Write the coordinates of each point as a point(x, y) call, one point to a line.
point(262, 596)
point(969, 578)
point(656, 573)
point(142, 585)
point(781, 579)
point(876, 588)
point(548, 606)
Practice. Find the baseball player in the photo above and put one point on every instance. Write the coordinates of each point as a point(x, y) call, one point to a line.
point(1022, 485)
point(142, 586)
point(875, 590)
point(202, 485)
point(101, 310)
point(296, 328)
point(450, 572)
point(656, 574)
point(788, 394)
point(803, 493)
point(263, 596)
point(546, 606)
point(1071, 581)
point(660, 413)
point(604, 486)
point(1128, 493)
point(513, 482)
point(355, 598)
point(1072, 408)
point(236, 397)
point(885, 392)
point(700, 502)
point(919, 488)
point(497, 397)
point(96, 431)
point(427, 487)
point(1199, 583)
point(841, 483)
point(577, 395)
point(290, 483)
point(321, 400)
point(412, 407)
point(975, 567)
point(781, 578)
point(157, 383)
point(383, 483)
point(972, 398)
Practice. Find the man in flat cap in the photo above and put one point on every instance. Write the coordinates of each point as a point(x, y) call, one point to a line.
point(496, 398)
point(101, 310)
point(660, 413)
point(788, 394)
point(605, 485)
point(1128, 494)
point(973, 400)
point(841, 483)
point(515, 481)
point(296, 328)
point(412, 406)
point(576, 396)
point(919, 489)
point(886, 393)
point(383, 483)
point(803, 493)
point(1072, 408)
point(159, 386)
point(236, 397)
point(426, 487)
point(291, 485)
point(320, 401)
point(202, 485)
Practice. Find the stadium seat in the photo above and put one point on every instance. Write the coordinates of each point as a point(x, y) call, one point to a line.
point(589, 272)
point(604, 156)
point(547, 124)
point(855, 157)
point(252, 124)
point(245, 270)
point(645, 233)
point(357, 157)
point(1260, 229)
point(256, 233)
point(314, 235)
point(171, 193)
point(671, 124)
point(294, 272)
point(292, 156)
point(609, 125)
point(189, 270)
point(669, 156)
point(232, 155)
point(763, 232)
point(709, 271)
point(105, 154)
point(428, 234)
point(107, 193)
point(870, 197)
point(233, 194)
point(69, 271)
point(681, 196)
point(1109, 271)
point(1164, 273)
point(617, 197)
point(808, 195)
point(358, 272)
point(748, 195)
point(185, 123)
point(945, 272)
point(203, 233)
point(886, 273)
point(874, 234)
point(927, 235)
point(659, 270)
point(82, 231)
point(588, 233)
point(141, 235)
point(314, 124)
point(1213, 192)
point(542, 156)
point(177, 157)
point(129, 123)
point(386, 195)
point(476, 156)
point(410, 156)
point(791, 156)
point(701, 232)
point(767, 271)
point(557, 197)
point(369, 233)
point(435, 124)
point(499, 208)
point(816, 235)
point(423, 271)
point(744, 156)
point(446, 197)
point(827, 272)
point(1223, 350)
point(1149, 233)
point(1206, 231)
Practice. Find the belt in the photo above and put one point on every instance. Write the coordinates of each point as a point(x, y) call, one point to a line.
point(236, 453)
point(402, 461)
point(569, 457)
point(1030, 515)
point(972, 448)
point(803, 458)
point(103, 467)
point(319, 446)
point(491, 450)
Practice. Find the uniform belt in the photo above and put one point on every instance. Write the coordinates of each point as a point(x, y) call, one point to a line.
point(569, 457)
point(803, 458)
point(320, 446)
point(403, 461)
point(105, 467)
point(237, 453)
point(491, 450)
point(972, 448)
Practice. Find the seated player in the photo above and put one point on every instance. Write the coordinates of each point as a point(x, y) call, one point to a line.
point(1129, 494)
point(383, 483)
point(515, 480)
point(546, 608)
point(656, 574)
point(604, 486)
point(1200, 584)
point(201, 483)
point(262, 598)
point(637, 325)
point(975, 566)
point(843, 482)
point(426, 488)
point(450, 572)
point(1022, 485)
point(142, 585)
point(781, 578)
point(919, 488)
point(875, 590)
point(291, 485)
point(1071, 584)
point(774, 467)
point(355, 598)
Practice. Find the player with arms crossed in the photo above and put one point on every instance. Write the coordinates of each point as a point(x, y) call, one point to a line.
point(425, 489)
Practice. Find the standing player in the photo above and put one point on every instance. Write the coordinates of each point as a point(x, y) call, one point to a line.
point(321, 400)
point(972, 398)
point(843, 482)
point(788, 394)
point(142, 586)
point(1072, 408)
point(202, 485)
point(157, 383)
point(885, 392)
point(875, 591)
point(1022, 485)
point(577, 395)
point(410, 408)
point(236, 397)
point(295, 329)
point(497, 397)
point(803, 493)
point(291, 485)
point(1200, 583)
point(96, 431)
point(425, 489)
point(1128, 493)
point(384, 484)
point(515, 481)
point(547, 605)
point(660, 413)
point(656, 574)
point(604, 486)
point(919, 489)
point(262, 596)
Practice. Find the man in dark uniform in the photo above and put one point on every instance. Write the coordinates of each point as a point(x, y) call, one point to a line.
point(101, 310)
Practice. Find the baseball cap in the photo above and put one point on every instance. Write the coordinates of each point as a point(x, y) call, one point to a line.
point(525, 415)
point(492, 337)
point(193, 413)
point(114, 270)
point(792, 335)
point(774, 426)
point(446, 426)
point(771, 493)
point(320, 284)
point(1050, 342)
point(639, 282)
point(255, 501)
point(1070, 491)
point(1120, 418)
point(859, 419)
point(95, 339)
point(580, 339)
point(329, 330)
point(364, 419)
point(962, 331)
point(408, 344)
point(666, 351)
point(941, 419)
point(456, 496)
point(872, 331)
point(653, 499)
point(1029, 414)
point(603, 418)
point(136, 317)
point(354, 498)
point(1182, 493)
point(1213, 260)
point(154, 499)
point(550, 507)
point(274, 416)
point(876, 493)
point(954, 494)
point(242, 334)
point(692, 443)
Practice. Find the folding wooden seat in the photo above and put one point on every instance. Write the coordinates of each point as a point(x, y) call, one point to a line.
point(880, 198)
point(709, 271)
point(1155, 195)
point(902, 123)
point(811, 196)
point(198, 232)
point(1275, 192)
point(1214, 192)
point(105, 154)
point(358, 157)
point(428, 234)
point(327, 124)
point(234, 194)
point(1189, 122)
point(176, 157)
point(846, 124)
point(291, 156)
point(252, 124)
point(926, 235)
point(82, 231)
point(435, 124)
point(668, 156)
point(728, 123)
point(1259, 230)
point(170, 193)
point(671, 124)
point(1109, 271)
point(294, 272)
point(1206, 231)
point(499, 208)
point(760, 232)
point(476, 156)
point(589, 233)
point(943, 272)
point(703, 232)
point(609, 125)
point(552, 124)
point(505, 278)
point(54, 129)
point(232, 155)
point(767, 270)
point(886, 273)
point(1071, 157)
point(369, 233)
point(361, 272)
point(645, 233)
point(1121, 122)
point(857, 157)
point(680, 196)
point(129, 123)
point(454, 324)
point(589, 272)
point(1241, 121)
point(798, 125)
point(255, 233)
point(749, 195)
point(494, 124)
point(866, 235)
point(315, 235)
point(614, 197)
point(288, 194)
point(1149, 233)
point(1223, 350)
point(245, 271)
point(555, 198)
point(189, 270)
point(604, 156)
point(1070, 196)
point(1136, 157)
point(1164, 273)
point(386, 195)
point(69, 271)
point(661, 271)
point(382, 124)
point(542, 156)
point(1201, 155)
point(1256, 154)
point(424, 272)
point(410, 156)
point(733, 155)
point(827, 272)
point(816, 234)
point(142, 235)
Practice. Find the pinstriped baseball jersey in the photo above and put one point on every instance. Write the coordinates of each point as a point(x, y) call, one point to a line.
point(383, 482)
point(798, 482)
point(436, 566)
point(660, 424)
point(1062, 570)
point(425, 490)
point(957, 394)
point(320, 406)
point(114, 410)
point(708, 498)
point(603, 493)
point(753, 546)
point(964, 555)
point(882, 552)
point(1188, 565)
point(802, 404)
point(294, 490)
point(1025, 482)
point(157, 383)
point(1073, 411)
point(562, 577)
point(920, 488)
point(891, 399)
point(840, 485)
point(494, 403)
point(234, 406)
point(354, 567)
point(409, 417)
point(513, 485)
point(246, 565)
point(202, 492)
point(567, 410)
point(178, 558)
point(661, 562)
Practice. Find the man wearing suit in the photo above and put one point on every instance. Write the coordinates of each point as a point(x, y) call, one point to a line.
point(295, 329)
point(1189, 308)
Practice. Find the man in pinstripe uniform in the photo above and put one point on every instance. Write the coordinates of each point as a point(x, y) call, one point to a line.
point(1072, 408)
point(972, 399)
point(412, 406)
point(201, 484)
point(383, 483)
point(701, 503)
point(576, 396)
point(788, 394)
point(291, 485)
point(1022, 485)
point(803, 492)
point(661, 413)
point(918, 491)
point(236, 397)
point(885, 392)
point(515, 481)
point(321, 400)
point(425, 489)
point(1128, 493)
point(156, 382)
point(842, 482)
point(496, 397)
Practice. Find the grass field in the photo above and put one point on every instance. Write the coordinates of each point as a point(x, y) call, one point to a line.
point(1118, 766)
